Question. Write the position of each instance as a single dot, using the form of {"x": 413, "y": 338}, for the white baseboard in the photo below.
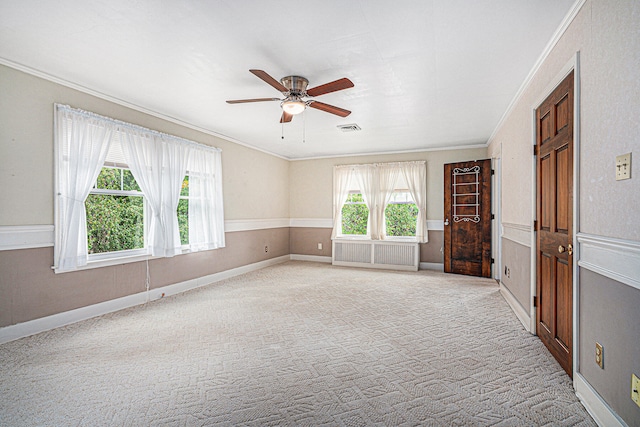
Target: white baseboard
{"x": 313, "y": 258}
{"x": 21, "y": 330}
{"x": 602, "y": 414}
{"x": 517, "y": 308}
{"x": 431, "y": 266}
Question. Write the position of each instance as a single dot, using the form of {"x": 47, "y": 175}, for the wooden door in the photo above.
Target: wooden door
{"x": 554, "y": 224}
{"x": 467, "y": 213}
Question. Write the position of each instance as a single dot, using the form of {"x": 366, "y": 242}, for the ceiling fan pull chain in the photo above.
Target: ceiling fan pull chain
{"x": 282, "y": 137}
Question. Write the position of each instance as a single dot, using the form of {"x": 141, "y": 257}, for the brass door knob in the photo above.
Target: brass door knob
{"x": 568, "y": 249}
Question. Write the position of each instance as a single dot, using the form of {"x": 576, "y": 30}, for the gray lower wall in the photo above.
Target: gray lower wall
{"x": 31, "y": 290}
{"x": 517, "y": 259}
{"x": 610, "y": 315}
{"x": 304, "y": 241}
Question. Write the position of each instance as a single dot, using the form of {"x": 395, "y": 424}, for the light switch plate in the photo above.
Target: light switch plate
{"x": 623, "y": 166}
{"x": 599, "y": 355}
{"x": 635, "y": 389}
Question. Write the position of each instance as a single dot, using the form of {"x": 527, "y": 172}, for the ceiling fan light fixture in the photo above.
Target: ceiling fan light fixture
{"x": 293, "y": 106}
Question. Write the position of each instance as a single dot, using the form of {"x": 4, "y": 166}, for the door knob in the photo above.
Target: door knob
{"x": 446, "y": 221}
{"x": 568, "y": 249}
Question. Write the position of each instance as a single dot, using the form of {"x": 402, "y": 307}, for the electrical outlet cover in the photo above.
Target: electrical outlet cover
{"x": 623, "y": 167}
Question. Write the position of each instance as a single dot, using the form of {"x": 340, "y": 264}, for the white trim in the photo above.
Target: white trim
{"x": 496, "y": 207}
{"x": 616, "y": 259}
{"x": 21, "y": 330}
{"x": 234, "y": 225}
{"x": 40, "y": 236}
{"x": 312, "y": 258}
{"x": 564, "y": 25}
{"x": 437, "y": 266}
{"x": 435, "y": 225}
{"x": 517, "y": 233}
{"x": 311, "y": 222}
{"x": 595, "y": 405}
{"x": 517, "y": 308}
{"x": 25, "y": 236}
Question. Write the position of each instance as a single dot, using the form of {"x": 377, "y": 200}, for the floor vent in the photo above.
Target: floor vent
{"x": 376, "y": 254}
{"x": 349, "y": 128}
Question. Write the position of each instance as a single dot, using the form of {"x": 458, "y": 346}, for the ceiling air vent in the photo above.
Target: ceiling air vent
{"x": 349, "y": 128}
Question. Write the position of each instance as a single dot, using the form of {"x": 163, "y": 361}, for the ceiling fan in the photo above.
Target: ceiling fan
{"x": 294, "y": 89}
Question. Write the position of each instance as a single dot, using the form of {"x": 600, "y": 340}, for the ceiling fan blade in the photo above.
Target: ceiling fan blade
{"x": 241, "y": 101}
{"x": 286, "y": 118}
{"x": 329, "y": 108}
{"x": 270, "y": 80}
{"x": 334, "y": 86}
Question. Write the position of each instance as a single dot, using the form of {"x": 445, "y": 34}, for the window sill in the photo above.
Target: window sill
{"x": 407, "y": 239}
{"x": 120, "y": 259}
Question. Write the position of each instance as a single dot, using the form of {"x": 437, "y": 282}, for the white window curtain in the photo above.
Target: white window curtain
{"x": 159, "y": 166}
{"x": 415, "y": 174}
{"x": 341, "y": 185}
{"x": 206, "y": 213}
{"x": 387, "y": 179}
{"x": 367, "y": 177}
{"x": 82, "y": 141}
{"x": 377, "y": 182}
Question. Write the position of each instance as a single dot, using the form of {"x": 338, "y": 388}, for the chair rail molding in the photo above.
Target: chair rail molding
{"x": 617, "y": 259}
{"x": 517, "y": 233}
{"x": 25, "y": 236}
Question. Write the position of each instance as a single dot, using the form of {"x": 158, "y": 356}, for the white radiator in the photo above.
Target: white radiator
{"x": 391, "y": 255}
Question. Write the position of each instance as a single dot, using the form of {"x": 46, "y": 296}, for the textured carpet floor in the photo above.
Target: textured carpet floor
{"x": 295, "y": 344}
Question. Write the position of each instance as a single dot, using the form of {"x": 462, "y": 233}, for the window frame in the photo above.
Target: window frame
{"x": 64, "y": 117}
{"x": 125, "y": 253}
{"x": 412, "y": 202}
{"x": 367, "y": 236}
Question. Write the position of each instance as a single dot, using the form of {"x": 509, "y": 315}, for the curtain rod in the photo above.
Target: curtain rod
{"x": 133, "y": 126}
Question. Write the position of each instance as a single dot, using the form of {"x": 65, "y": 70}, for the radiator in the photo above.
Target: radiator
{"x": 391, "y": 255}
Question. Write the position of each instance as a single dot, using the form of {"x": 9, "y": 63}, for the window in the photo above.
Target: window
{"x": 354, "y": 215}
{"x": 380, "y": 200}
{"x": 115, "y": 213}
{"x": 183, "y": 212}
{"x": 114, "y": 182}
{"x": 401, "y": 214}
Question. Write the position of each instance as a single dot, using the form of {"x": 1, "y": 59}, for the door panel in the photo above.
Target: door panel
{"x": 554, "y": 231}
{"x": 467, "y": 212}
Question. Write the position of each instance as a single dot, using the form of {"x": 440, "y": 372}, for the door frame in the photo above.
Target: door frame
{"x": 496, "y": 208}
{"x": 572, "y": 65}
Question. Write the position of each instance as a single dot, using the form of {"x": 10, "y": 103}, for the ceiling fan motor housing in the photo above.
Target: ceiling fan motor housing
{"x": 297, "y": 85}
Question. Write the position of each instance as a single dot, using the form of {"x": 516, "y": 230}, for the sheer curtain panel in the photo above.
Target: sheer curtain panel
{"x": 206, "y": 213}
{"x": 387, "y": 179}
{"x": 82, "y": 143}
{"x": 159, "y": 166}
{"x": 415, "y": 174}
{"x": 341, "y": 186}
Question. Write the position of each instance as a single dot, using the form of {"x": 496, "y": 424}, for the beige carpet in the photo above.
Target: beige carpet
{"x": 295, "y": 344}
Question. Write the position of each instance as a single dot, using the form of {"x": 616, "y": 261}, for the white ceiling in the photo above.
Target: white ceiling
{"x": 427, "y": 73}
